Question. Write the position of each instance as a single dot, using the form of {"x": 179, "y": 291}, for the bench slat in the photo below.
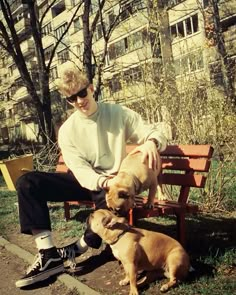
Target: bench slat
{"x": 202, "y": 165}
{"x": 61, "y": 168}
{"x": 179, "y": 158}
{"x": 184, "y": 179}
{"x": 188, "y": 151}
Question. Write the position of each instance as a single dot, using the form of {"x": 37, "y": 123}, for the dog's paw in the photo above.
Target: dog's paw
{"x": 124, "y": 282}
{"x": 148, "y": 206}
{"x": 164, "y": 288}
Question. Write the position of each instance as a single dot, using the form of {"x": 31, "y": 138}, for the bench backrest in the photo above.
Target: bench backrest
{"x": 182, "y": 165}
{"x": 61, "y": 166}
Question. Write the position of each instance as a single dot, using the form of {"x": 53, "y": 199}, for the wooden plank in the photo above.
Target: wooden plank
{"x": 184, "y": 164}
{"x": 189, "y": 150}
{"x": 184, "y": 179}
{"x": 61, "y": 168}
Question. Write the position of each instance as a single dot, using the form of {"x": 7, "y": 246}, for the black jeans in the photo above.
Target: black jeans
{"x": 35, "y": 189}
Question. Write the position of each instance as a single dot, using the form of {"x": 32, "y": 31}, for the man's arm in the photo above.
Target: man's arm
{"x": 151, "y": 139}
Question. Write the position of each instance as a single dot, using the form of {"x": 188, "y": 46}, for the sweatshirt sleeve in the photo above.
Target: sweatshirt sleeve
{"x": 81, "y": 168}
{"x": 138, "y": 132}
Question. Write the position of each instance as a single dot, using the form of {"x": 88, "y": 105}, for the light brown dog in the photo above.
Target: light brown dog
{"x": 133, "y": 178}
{"x": 140, "y": 250}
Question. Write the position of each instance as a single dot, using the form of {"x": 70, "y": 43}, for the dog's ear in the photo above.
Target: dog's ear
{"x": 106, "y": 189}
{"x": 123, "y": 195}
{"x": 108, "y": 221}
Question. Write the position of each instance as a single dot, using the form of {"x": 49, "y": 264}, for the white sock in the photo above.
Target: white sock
{"x": 44, "y": 240}
{"x": 82, "y": 246}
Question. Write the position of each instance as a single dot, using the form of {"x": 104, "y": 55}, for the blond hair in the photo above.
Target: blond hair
{"x": 71, "y": 79}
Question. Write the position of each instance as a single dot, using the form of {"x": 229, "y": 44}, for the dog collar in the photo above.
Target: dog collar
{"x": 120, "y": 235}
{"x": 137, "y": 184}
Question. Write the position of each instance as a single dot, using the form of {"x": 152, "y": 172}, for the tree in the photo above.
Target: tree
{"x": 214, "y": 34}
{"x": 39, "y": 92}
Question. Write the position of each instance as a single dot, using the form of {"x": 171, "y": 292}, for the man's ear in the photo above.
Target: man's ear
{"x": 123, "y": 195}
{"x": 91, "y": 87}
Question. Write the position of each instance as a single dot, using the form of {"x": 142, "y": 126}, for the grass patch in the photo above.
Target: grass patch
{"x": 211, "y": 244}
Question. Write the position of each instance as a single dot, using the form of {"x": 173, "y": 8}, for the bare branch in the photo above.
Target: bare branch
{"x": 62, "y": 36}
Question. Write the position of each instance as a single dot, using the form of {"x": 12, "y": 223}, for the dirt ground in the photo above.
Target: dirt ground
{"x": 98, "y": 269}
{"x": 11, "y": 266}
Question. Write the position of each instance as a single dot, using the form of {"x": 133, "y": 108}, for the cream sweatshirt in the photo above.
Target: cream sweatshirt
{"x": 93, "y": 147}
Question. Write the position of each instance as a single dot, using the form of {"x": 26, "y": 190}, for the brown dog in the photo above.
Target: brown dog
{"x": 140, "y": 250}
{"x": 133, "y": 178}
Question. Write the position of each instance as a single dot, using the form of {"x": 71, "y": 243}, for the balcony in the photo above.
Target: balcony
{"x": 230, "y": 40}
{"x": 230, "y": 34}
{"x": 27, "y": 47}
{"x": 227, "y": 8}
{"x": 22, "y": 26}
{"x": 17, "y": 5}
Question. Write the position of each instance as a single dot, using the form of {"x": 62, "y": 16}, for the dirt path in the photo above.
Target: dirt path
{"x": 12, "y": 267}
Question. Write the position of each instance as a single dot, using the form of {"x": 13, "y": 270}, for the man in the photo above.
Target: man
{"x": 92, "y": 142}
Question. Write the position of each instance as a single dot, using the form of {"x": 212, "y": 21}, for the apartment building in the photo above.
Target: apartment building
{"x": 193, "y": 27}
{"x": 145, "y": 41}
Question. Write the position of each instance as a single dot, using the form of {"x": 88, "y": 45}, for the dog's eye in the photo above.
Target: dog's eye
{"x": 123, "y": 195}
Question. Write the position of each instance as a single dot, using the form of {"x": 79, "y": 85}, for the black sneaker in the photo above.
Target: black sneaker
{"x": 70, "y": 252}
{"x": 46, "y": 264}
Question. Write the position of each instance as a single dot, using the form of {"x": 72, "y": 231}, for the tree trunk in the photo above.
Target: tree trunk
{"x": 225, "y": 65}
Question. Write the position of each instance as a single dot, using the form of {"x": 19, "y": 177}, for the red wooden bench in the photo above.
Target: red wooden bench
{"x": 183, "y": 166}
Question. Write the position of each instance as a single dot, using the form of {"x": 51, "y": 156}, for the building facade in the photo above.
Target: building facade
{"x": 135, "y": 44}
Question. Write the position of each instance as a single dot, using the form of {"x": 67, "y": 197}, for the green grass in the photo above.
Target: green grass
{"x": 211, "y": 244}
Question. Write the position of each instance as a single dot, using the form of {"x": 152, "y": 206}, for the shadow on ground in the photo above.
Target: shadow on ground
{"x": 207, "y": 236}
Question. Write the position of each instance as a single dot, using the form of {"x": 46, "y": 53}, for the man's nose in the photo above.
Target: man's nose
{"x": 79, "y": 99}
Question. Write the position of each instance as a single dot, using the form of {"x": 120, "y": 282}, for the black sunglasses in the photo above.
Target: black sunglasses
{"x": 82, "y": 94}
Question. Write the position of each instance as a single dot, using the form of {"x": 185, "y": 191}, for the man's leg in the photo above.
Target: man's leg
{"x": 91, "y": 239}
{"x": 34, "y": 190}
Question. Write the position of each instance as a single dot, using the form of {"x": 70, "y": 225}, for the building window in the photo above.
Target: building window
{"x": 111, "y": 18}
{"x": 63, "y": 55}
{"x": 189, "y": 63}
{"x": 58, "y": 8}
{"x": 74, "y": 2}
{"x": 115, "y": 84}
{"x": 172, "y": 3}
{"x": 136, "y": 40}
{"x": 133, "y": 75}
{"x": 2, "y": 114}
{"x": 94, "y": 6}
{"x": 53, "y": 73}
{"x": 185, "y": 28}
{"x": 12, "y": 68}
{"x": 216, "y": 73}
{"x": 60, "y": 30}
{"x": 206, "y": 3}
{"x": 77, "y": 24}
{"x": 98, "y": 32}
{"x": 46, "y": 30}
{"x": 129, "y": 43}
{"x": 48, "y": 52}
{"x": 131, "y": 8}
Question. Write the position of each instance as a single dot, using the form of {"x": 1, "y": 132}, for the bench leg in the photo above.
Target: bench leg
{"x": 181, "y": 228}
{"x": 66, "y": 211}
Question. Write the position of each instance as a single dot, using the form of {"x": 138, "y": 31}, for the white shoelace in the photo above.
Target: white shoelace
{"x": 69, "y": 254}
{"x": 37, "y": 262}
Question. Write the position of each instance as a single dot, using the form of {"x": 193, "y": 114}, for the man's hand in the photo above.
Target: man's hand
{"x": 149, "y": 152}
{"x": 109, "y": 181}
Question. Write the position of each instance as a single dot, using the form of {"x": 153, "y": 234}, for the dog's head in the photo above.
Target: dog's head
{"x": 119, "y": 199}
{"x": 103, "y": 219}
